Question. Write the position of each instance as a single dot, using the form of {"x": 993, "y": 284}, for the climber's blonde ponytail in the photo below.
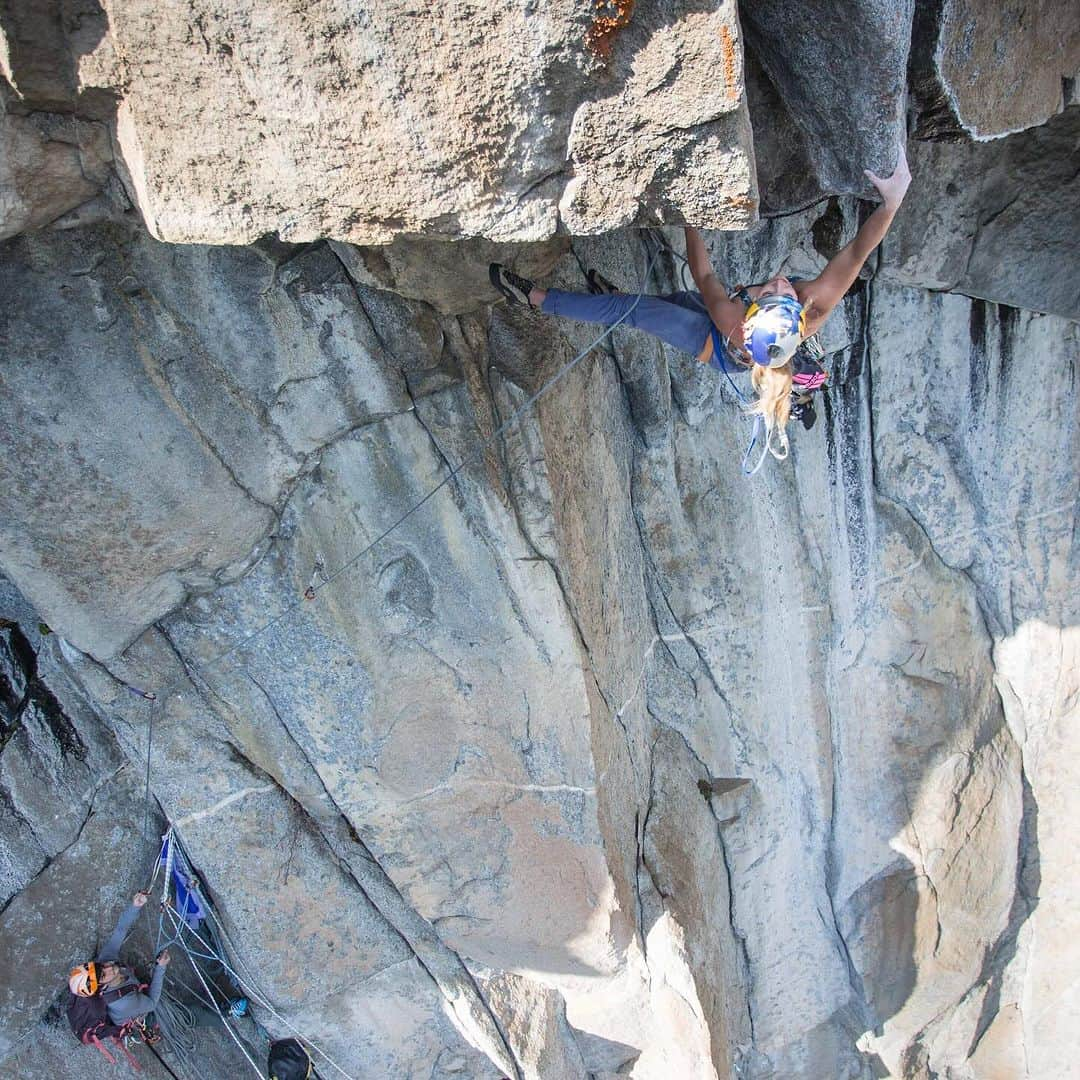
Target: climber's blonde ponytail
{"x": 773, "y": 402}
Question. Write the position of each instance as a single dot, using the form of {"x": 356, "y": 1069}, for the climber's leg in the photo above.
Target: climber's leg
{"x": 681, "y": 327}
{"x": 690, "y": 300}
{"x": 681, "y": 322}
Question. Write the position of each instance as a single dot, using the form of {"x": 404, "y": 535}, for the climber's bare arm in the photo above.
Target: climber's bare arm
{"x": 726, "y": 314}
{"x": 828, "y": 289}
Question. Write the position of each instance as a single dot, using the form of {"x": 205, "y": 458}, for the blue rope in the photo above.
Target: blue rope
{"x": 720, "y": 351}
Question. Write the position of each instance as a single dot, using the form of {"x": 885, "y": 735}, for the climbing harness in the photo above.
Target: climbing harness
{"x": 88, "y": 1017}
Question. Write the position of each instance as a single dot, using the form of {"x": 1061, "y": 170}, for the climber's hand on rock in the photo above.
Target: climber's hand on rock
{"x": 163, "y": 958}
{"x": 893, "y": 188}
{"x": 140, "y": 898}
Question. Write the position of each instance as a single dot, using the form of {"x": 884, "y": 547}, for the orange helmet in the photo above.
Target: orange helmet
{"x": 83, "y": 980}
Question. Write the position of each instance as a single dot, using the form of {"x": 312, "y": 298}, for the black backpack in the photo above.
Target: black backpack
{"x": 289, "y": 1061}
{"x": 89, "y": 1016}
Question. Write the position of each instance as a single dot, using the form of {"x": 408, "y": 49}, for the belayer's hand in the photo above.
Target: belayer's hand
{"x": 893, "y": 188}
{"x": 163, "y": 958}
{"x": 140, "y": 898}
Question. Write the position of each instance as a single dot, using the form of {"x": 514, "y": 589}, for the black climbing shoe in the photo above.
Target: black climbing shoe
{"x": 515, "y": 289}
{"x": 598, "y": 284}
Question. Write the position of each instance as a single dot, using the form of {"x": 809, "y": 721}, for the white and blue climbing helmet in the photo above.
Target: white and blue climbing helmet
{"x": 772, "y": 329}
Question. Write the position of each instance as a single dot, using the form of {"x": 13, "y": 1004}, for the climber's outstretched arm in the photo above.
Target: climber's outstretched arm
{"x": 828, "y": 289}
{"x": 110, "y": 951}
{"x": 726, "y": 314}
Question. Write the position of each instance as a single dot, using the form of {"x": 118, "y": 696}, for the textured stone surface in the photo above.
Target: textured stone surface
{"x": 1001, "y": 66}
{"x": 364, "y": 123}
{"x": 607, "y": 761}
{"x": 48, "y": 166}
{"x": 451, "y": 277}
{"x": 995, "y": 220}
{"x": 489, "y": 782}
{"x": 832, "y": 100}
{"x": 48, "y": 50}
{"x": 1015, "y": 544}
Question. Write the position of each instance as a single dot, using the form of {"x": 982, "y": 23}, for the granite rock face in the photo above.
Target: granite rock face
{"x": 363, "y": 123}
{"x": 829, "y": 91}
{"x": 496, "y": 786}
{"x": 51, "y": 165}
{"x": 1001, "y": 67}
{"x": 995, "y": 220}
{"x": 587, "y": 756}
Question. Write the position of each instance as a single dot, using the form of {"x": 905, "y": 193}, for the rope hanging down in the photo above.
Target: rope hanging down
{"x": 476, "y": 456}
{"x": 188, "y": 922}
{"x": 177, "y": 1016}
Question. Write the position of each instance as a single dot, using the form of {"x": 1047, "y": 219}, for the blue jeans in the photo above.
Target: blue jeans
{"x": 680, "y": 319}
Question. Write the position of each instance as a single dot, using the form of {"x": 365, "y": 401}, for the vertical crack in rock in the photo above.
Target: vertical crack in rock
{"x": 443, "y": 965}
{"x": 158, "y": 376}
{"x": 686, "y": 635}
{"x": 36, "y": 694}
{"x": 557, "y": 576}
{"x": 926, "y": 875}
{"x": 832, "y": 877}
{"x": 746, "y": 971}
{"x": 641, "y": 860}
{"x": 1026, "y": 899}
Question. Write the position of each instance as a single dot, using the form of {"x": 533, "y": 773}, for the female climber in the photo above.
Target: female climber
{"x": 759, "y": 327}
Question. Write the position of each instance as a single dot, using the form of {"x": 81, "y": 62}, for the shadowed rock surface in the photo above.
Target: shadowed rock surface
{"x": 606, "y": 761}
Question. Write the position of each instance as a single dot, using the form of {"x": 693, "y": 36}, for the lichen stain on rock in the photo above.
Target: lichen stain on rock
{"x": 732, "y": 82}
{"x": 611, "y": 17}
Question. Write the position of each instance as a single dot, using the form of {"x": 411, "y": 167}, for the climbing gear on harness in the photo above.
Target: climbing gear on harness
{"x": 808, "y": 376}
{"x": 598, "y": 284}
{"x": 288, "y": 1061}
{"x": 317, "y": 573}
{"x": 88, "y": 1017}
{"x": 773, "y": 327}
{"x": 516, "y": 289}
{"x": 83, "y": 980}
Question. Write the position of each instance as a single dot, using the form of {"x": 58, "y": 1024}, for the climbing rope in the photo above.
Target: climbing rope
{"x": 720, "y": 350}
{"x": 157, "y": 697}
{"x": 209, "y": 999}
{"x": 149, "y": 750}
{"x": 176, "y": 1015}
{"x": 209, "y": 945}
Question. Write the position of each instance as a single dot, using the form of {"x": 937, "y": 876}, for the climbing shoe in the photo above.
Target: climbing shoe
{"x": 515, "y": 289}
{"x": 598, "y": 284}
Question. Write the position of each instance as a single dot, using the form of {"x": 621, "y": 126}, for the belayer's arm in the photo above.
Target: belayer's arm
{"x": 138, "y": 1004}
{"x": 111, "y": 949}
{"x": 726, "y": 314}
{"x": 828, "y": 289}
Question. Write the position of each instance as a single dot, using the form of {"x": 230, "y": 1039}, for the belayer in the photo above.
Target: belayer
{"x": 765, "y": 327}
{"x": 107, "y": 1001}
